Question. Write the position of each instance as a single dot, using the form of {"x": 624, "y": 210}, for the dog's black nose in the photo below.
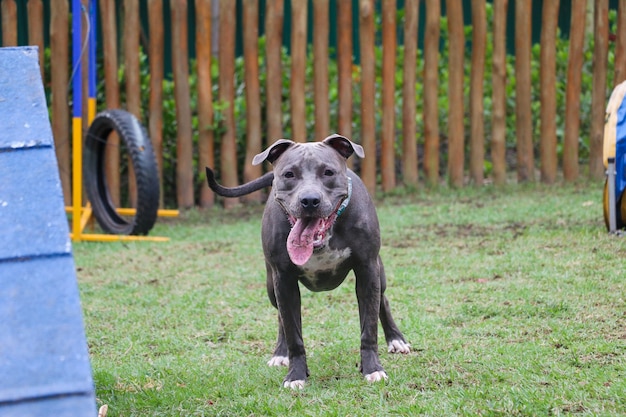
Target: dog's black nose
{"x": 310, "y": 201}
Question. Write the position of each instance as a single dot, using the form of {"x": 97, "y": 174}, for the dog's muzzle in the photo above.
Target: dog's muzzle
{"x": 308, "y": 232}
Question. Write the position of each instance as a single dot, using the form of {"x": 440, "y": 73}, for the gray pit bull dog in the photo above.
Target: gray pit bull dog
{"x": 319, "y": 224}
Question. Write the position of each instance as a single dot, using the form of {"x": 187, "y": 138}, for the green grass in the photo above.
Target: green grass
{"x": 513, "y": 301}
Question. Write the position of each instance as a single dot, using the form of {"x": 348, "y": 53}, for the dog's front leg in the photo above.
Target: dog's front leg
{"x": 289, "y": 307}
{"x": 368, "y": 292}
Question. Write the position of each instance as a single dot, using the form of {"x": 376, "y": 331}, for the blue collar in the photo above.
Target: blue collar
{"x": 346, "y": 200}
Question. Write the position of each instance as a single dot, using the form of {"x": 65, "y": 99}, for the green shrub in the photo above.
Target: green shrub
{"x": 239, "y": 104}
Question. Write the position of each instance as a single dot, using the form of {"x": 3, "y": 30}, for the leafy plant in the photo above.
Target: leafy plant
{"x": 240, "y": 108}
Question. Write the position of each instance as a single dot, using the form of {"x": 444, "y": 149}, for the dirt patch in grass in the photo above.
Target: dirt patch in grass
{"x": 415, "y": 236}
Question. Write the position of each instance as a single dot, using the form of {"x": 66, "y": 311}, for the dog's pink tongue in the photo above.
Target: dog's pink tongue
{"x": 300, "y": 240}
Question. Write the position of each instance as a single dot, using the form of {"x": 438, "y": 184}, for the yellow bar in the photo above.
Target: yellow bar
{"x": 85, "y": 217}
{"x": 91, "y": 110}
{"x": 160, "y": 213}
{"x": 89, "y": 237}
{"x": 168, "y": 213}
{"x": 77, "y": 177}
{"x": 131, "y": 211}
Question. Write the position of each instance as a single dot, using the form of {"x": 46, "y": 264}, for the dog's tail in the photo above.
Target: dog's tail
{"x": 247, "y": 188}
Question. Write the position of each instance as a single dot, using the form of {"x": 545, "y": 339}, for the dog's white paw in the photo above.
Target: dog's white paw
{"x": 398, "y": 346}
{"x": 294, "y": 385}
{"x": 376, "y": 376}
{"x": 278, "y": 361}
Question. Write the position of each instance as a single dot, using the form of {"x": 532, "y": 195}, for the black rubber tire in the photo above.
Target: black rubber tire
{"x": 139, "y": 148}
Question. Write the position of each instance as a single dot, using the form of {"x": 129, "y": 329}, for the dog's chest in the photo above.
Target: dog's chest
{"x": 324, "y": 261}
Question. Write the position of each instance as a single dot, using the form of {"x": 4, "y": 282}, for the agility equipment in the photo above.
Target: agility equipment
{"x": 134, "y": 136}
{"x": 44, "y": 361}
{"x": 614, "y": 157}
{"x": 88, "y": 161}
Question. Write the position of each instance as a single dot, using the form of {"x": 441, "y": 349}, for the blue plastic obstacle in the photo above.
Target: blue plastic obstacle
{"x": 44, "y": 362}
{"x": 615, "y": 160}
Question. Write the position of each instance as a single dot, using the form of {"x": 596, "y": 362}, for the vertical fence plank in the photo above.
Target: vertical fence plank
{"x": 131, "y": 57}
{"x": 59, "y": 78}
{"x": 228, "y": 155}
{"x": 368, "y": 98}
{"x": 206, "y": 150}
{"x": 180, "y": 68}
{"x": 598, "y": 89}
{"x": 548, "y": 156}
{"x": 456, "y": 111}
{"x": 387, "y": 160}
{"x": 112, "y": 95}
{"x": 35, "y": 29}
{"x": 477, "y": 125}
{"x": 523, "y": 119}
{"x": 572, "y": 92}
{"x": 298, "y": 69}
{"x": 9, "y": 23}
{"x": 320, "y": 68}
{"x": 620, "y": 44}
{"x": 155, "y": 105}
{"x": 133, "y": 79}
{"x": 253, "y": 93}
{"x": 409, "y": 142}
{"x": 431, "y": 86}
{"x": 274, "y": 87}
{"x": 498, "y": 124}
{"x": 344, "y": 67}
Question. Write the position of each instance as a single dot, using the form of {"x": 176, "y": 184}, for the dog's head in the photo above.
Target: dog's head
{"x": 312, "y": 186}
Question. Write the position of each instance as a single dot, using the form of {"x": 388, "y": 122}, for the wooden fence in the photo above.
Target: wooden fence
{"x": 394, "y": 154}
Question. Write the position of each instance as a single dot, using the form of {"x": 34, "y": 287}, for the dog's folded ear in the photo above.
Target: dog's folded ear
{"x": 272, "y": 153}
{"x": 344, "y": 146}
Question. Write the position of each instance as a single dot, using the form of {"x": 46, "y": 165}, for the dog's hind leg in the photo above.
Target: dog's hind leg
{"x": 280, "y": 357}
{"x": 395, "y": 340}
{"x": 396, "y": 343}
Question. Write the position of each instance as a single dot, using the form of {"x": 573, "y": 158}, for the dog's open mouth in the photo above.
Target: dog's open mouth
{"x": 310, "y": 233}
{"x": 307, "y": 234}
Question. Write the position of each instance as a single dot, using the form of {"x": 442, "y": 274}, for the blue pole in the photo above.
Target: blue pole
{"x": 77, "y": 121}
{"x": 77, "y": 42}
{"x": 92, "y": 62}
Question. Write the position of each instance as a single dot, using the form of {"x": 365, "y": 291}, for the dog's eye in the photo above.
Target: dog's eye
{"x": 329, "y": 173}
{"x": 289, "y": 174}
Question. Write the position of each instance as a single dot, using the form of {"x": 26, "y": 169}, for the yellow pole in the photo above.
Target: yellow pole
{"x": 91, "y": 110}
{"x": 77, "y": 177}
